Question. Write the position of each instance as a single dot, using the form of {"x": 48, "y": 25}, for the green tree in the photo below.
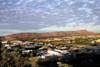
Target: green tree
{"x": 8, "y": 59}
{"x": 33, "y": 61}
{"x": 60, "y": 64}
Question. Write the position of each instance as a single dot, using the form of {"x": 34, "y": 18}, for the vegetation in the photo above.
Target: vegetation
{"x": 39, "y": 38}
{"x": 84, "y": 42}
{"x": 85, "y": 61}
{"x": 60, "y": 64}
{"x": 14, "y": 59}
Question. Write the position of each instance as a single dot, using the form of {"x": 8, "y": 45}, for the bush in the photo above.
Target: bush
{"x": 93, "y": 44}
{"x": 8, "y": 59}
{"x": 60, "y": 64}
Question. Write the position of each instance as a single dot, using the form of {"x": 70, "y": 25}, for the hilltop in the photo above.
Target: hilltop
{"x": 58, "y": 33}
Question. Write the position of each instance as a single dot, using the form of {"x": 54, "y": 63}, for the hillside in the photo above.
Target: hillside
{"x": 59, "y": 33}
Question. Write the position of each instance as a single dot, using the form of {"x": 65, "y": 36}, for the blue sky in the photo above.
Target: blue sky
{"x": 18, "y": 16}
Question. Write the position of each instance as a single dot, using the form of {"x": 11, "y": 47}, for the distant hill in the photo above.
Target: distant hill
{"x": 58, "y": 33}
{"x": 2, "y": 36}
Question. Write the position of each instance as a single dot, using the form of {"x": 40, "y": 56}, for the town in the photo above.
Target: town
{"x": 66, "y": 47}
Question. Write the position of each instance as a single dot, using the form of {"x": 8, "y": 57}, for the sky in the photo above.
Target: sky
{"x": 18, "y": 16}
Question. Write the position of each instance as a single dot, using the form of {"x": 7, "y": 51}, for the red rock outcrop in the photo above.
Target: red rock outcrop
{"x": 59, "y": 33}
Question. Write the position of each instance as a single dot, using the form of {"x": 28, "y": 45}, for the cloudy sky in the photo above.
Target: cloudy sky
{"x": 48, "y": 15}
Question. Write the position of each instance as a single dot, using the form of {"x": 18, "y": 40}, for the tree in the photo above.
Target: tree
{"x": 13, "y": 59}
{"x": 71, "y": 41}
{"x": 33, "y": 61}
{"x": 60, "y": 64}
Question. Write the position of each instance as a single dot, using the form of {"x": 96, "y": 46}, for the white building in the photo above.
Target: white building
{"x": 6, "y": 45}
{"x": 45, "y": 56}
{"x": 4, "y": 42}
{"x": 54, "y": 52}
{"x": 16, "y": 42}
{"x": 27, "y": 51}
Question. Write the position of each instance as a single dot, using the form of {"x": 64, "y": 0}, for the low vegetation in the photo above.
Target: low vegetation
{"x": 16, "y": 58}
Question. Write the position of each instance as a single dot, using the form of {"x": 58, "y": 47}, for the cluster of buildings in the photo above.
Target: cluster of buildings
{"x": 48, "y": 50}
{"x": 73, "y": 51}
{"x": 71, "y": 39}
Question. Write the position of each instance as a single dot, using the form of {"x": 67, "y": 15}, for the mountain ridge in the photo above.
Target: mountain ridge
{"x": 45, "y": 34}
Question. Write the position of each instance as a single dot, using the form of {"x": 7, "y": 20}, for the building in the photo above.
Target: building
{"x": 4, "y": 42}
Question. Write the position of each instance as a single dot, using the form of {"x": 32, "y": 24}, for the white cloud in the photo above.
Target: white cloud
{"x": 60, "y": 13}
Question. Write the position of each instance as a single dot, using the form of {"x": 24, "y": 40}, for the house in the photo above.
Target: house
{"x": 30, "y": 45}
{"x": 96, "y": 41}
{"x": 81, "y": 49}
{"x": 64, "y": 48}
{"x": 62, "y": 51}
{"x": 93, "y": 42}
{"x": 41, "y": 43}
{"x": 57, "y": 39}
{"x": 49, "y": 45}
{"x": 26, "y": 51}
{"x": 47, "y": 40}
{"x": 27, "y": 42}
{"x": 73, "y": 48}
{"x": 68, "y": 41}
{"x": 4, "y": 42}
{"x": 52, "y": 52}
{"x": 6, "y": 45}
{"x": 45, "y": 56}
{"x": 40, "y": 53}
{"x": 16, "y": 42}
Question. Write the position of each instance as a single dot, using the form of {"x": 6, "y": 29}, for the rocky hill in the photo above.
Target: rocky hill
{"x": 59, "y": 33}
